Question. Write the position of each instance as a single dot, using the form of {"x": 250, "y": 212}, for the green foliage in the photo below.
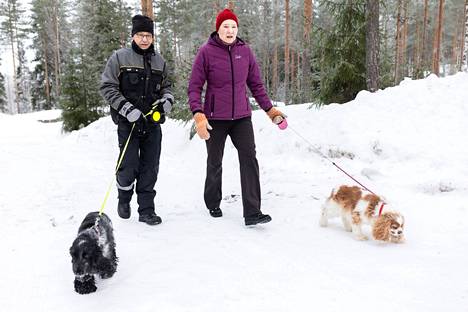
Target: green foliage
{"x": 78, "y": 107}
{"x": 343, "y": 69}
{"x": 182, "y": 31}
{"x": 101, "y": 25}
{"x": 51, "y": 45}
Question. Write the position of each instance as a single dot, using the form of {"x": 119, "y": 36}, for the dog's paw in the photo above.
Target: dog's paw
{"x": 398, "y": 240}
{"x": 85, "y": 286}
{"x": 323, "y": 222}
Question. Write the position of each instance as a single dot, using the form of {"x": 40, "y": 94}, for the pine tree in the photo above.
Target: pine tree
{"x": 372, "y": 45}
{"x": 286, "y": 52}
{"x": 306, "y": 55}
{"x": 437, "y": 39}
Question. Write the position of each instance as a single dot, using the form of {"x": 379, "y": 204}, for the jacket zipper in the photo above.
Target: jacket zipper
{"x": 232, "y": 74}
{"x": 147, "y": 68}
{"x": 212, "y": 105}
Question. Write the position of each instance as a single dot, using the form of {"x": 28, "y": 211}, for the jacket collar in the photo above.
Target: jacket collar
{"x": 138, "y": 50}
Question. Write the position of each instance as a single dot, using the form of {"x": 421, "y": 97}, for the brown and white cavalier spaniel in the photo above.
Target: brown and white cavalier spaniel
{"x": 356, "y": 209}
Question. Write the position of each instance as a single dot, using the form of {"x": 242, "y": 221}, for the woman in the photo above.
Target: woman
{"x": 228, "y": 66}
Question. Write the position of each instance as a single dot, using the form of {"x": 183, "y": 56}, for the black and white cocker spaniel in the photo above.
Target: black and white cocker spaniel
{"x": 93, "y": 252}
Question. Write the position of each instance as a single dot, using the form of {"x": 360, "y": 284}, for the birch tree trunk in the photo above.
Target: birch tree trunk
{"x": 437, "y": 39}
{"x": 372, "y": 45}
{"x": 12, "y": 31}
{"x": 46, "y": 73}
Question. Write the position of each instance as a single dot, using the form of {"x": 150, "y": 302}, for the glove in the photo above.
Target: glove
{"x": 164, "y": 104}
{"x": 130, "y": 112}
{"x": 276, "y": 115}
{"x": 202, "y": 126}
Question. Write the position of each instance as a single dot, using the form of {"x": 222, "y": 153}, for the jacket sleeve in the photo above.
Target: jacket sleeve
{"x": 166, "y": 84}
{"x": 197, "y": 81}
{"x": 110, "y": 83}
{"x": 255, "y": 84}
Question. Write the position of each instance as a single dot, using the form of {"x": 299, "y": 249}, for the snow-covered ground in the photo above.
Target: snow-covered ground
{"x": 408, "y": 143}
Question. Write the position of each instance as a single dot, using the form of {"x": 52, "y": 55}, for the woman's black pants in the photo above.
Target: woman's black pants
{"x": 242, "y": 136}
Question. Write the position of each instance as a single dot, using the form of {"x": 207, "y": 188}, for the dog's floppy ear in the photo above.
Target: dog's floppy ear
{"x": 381, "y": 229}
{"x": 94, "y": 252}
{"x": 74, "y": 250}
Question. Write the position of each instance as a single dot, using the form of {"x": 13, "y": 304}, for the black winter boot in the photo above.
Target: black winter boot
{"x": 256, "y": 219}
{"x": 123, "y": 210}
{"x": 150, "y": 218}
{"x": 216, "y": 212}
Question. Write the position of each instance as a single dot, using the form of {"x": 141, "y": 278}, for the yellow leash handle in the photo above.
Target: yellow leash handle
{"x": 116, "y": 169}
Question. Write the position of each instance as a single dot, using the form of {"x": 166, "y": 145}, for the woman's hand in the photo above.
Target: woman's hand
{"x": 202, "y": 126}
{"x": 276, "y": 115}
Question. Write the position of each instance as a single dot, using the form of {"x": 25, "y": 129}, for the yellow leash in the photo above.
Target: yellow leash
{"x": 156, "y": 117}
{"x": 116, "y": 169}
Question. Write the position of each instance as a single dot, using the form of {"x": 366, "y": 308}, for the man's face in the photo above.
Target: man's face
{"x": 228, "y": 31}
{"x": 143, "y": 39}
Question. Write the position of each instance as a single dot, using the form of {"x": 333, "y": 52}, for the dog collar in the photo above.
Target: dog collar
{"x": 381, "y": 208}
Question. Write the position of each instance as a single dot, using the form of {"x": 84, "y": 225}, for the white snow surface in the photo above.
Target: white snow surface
{"x": 407, "y": 143}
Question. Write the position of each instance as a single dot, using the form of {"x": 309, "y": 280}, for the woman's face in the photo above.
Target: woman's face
{"x": 228, "y": 31}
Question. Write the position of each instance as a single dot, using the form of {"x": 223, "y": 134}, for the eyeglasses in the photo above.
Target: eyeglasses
{"x": 144, "y": 36}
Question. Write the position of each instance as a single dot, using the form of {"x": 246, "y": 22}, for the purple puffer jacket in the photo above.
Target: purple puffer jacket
{"x": 228, "y": 71}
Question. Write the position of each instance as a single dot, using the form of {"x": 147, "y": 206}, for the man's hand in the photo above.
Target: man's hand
{"x": 130, "y": 112}
{"x": 202, "y": 126}
{"x": 165, "y": 103}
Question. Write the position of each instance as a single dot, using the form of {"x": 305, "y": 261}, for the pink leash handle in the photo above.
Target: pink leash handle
{"x": 281, "y": 122}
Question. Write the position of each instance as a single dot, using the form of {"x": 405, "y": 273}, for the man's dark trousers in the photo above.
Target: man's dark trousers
{"x": 140, "y": 162}
{"x": 242, "y": 136}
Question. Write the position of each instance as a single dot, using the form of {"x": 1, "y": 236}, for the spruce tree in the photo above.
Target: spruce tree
{"x": 343, "y": 70}
{"x": 97, "y": 36}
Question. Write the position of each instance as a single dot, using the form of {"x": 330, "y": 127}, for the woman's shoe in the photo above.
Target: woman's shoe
{"x": 256, "y": 219}
{"x": 216, "y": 212}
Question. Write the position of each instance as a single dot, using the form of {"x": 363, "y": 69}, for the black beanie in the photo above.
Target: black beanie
{"x": 142, "y": 23}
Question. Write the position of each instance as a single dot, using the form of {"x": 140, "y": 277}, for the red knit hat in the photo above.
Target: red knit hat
{"x": 225, "y": 14}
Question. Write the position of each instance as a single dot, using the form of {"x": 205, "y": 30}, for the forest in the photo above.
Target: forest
{"x": 316, "y": 52}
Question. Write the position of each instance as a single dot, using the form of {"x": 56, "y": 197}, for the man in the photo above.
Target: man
{"x": 135, "y": 82}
